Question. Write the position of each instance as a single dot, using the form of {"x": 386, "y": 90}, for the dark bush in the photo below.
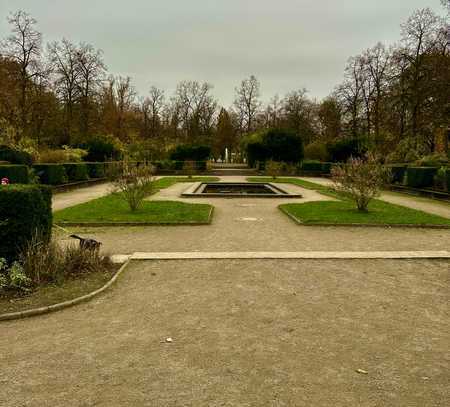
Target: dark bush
{"x": 312, "y": 167}
{"x": 14, "y": 156}
{"x": 420, "y": 177}
{"x": 96, "y": 170}
{"x": 17, "y": 174}
{"x": 51, "y": 174}
{"x": 326, "y": 168}
{"x": 256, "y": 152}
{"x": 100, "y": 150}
{"x": 25, "y": 210}
{"x": 77, "y": 171}
{"x": 398, "y": 172}
{"x": 342, "y": 150}
{"x": 186, "y": 152}
{"x": 283, "y": 146}
{"x": 447, "y": 179}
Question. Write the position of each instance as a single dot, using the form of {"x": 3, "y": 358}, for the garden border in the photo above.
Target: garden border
{"x": 66, "y": 304}
{"x": 370, "y": 225}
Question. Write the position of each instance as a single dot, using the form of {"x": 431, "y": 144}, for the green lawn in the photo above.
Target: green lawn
{"x": 344, "y": 211}
{"x": 113, "y": 209}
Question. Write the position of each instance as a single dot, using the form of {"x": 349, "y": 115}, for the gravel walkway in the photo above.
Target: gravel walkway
{"x": 245, "y": 333}
{"x": 246, "y": 224}
{"x": 71, "y": 198}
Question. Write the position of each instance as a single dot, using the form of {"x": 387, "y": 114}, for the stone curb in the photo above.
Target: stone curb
{"x": 388, "y": 255}
{"x": 66, "y": 304}
{"x": 365, "y": 225}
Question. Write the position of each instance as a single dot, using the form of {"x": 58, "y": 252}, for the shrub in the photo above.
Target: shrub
{"x": 433, "y": 160}
{"x": 15, "y": 156}
{"x": 25, "y": 210}
{"x": 14, "y": 277}
{"x": 134, "y": 183}
{"x": 276, "y": 145}
{"x": 96, "y": 170}
{"x": 102, "y": 149}
{"x": 189, "y": 168}
{"x": 51, "y": 174}
{"x": 273, "y": 168}
{"x": 312, "y": 166}
{"x": 361, "y": 179}
{"x": 398, "y": 172}
{"x": 77, "y": 171}
{"x": 190, "y": 153}
{"x": 17, "y": 174}
{"x": 342, "y": 150}
{"x": 326, "y": 168}
{"x": 283, "y": 146}
{"x": 420, "y": 177}
{"x": 447, "y": 177}
{"x": 316, "y": 151}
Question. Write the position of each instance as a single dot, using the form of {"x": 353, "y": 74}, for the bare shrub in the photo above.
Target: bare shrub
{"x": 78, "y": 260}
{"x": 361, "y": 178}
{"x": 42, "y": 261}
{"x": 134, "y": 183}
{"x": 273, "y": 169}
{"x": 189, "y": 168}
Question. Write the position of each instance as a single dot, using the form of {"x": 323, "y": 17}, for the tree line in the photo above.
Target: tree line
{"x": 394, "y": 98}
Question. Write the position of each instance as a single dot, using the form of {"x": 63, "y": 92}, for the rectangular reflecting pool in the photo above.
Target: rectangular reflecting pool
{"x": 237, "y": 190}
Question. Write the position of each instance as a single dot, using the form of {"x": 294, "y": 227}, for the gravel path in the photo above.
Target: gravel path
{"x": 245, "y": 333}
{"x": 71, "y": 198}
{"x": 248, "y": 224}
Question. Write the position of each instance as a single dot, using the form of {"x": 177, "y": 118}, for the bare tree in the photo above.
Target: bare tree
{"x": 125, "y": 96}
{"x": 64, "y": 60}
{"x": 247, "y": 103}
{"x": 24, "y": 47}
{"x": 196, "y": 108}
{"x": 91, "y": 70}
{"x": 156, "y": 104}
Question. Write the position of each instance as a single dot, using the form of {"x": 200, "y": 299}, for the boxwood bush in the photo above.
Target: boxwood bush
{"x": 96, "y": 170}
{"x": 51, "y": 174}
{"x": 77, "y": 171}
{"x": 17, "y": 174}
{"x": 420, "y": 177}
{"x": 447, "y": 179}
{"x": 24, "y": 210}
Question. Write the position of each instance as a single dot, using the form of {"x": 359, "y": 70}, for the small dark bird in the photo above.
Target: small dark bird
{"x": 87, "y": 244}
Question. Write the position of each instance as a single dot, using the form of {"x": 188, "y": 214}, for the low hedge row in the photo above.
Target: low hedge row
{"x": 316, "y": 167}
{"x": 420, "y": 177}
{"x": 24, "y": 211}
{"x": 51, "y": 174}
{"x": 170, "y": 165}
{"x": 17, "y": 174}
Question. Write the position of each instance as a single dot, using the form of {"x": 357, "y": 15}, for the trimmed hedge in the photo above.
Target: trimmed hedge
{"x": 77, "y": 171}
{"x": 447, "y": 179}
{"x": 326, "y": 168}
{"x": 25, "y": 209}
{"x": 420, "y": 177}
{"x": 312, "y": 166}
{"x": 398, "y": 172}
{"x": 17, "y": 174}
{"x": 14, "y": 156}
{"x": 51, "y": 174}
{"x": 96, "y": 170}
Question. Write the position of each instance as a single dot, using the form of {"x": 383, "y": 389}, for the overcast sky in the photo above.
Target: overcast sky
{"x": 286, "y": 44}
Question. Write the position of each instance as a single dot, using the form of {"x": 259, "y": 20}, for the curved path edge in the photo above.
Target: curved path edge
{"x": 62, "y": 305}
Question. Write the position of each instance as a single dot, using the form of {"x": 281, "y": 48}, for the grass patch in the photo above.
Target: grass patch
{"x": 344, "y": 211}
{"x": 50, "y": 294}
{"x": 113, "y": 209}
